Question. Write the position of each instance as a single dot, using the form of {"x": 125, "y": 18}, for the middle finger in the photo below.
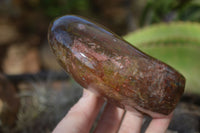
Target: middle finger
{"x": 110, "y": 119}
{"x": 131, "y": 123}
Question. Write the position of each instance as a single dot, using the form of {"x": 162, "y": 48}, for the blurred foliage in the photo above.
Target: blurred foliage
{"x": 54, "y": 8}
{"x": 177, "y": 44}
{"x": 49, "y": 8}
{"x": 170, "y": 10}
{"x": 190, "y": 12}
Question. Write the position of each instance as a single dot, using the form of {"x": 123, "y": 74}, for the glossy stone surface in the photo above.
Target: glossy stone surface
{"x": 104, "y": 63}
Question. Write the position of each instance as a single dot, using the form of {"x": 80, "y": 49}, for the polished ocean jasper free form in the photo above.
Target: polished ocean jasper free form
{"x": 104, "y": 63}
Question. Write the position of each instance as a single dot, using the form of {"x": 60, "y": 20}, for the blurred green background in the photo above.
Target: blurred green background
{"x": 166, "y": 29}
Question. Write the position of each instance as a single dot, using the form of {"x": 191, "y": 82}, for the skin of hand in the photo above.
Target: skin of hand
{"x": 113, "y": 120}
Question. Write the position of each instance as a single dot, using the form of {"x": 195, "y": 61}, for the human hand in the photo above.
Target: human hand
{"x": 113, "y": 120}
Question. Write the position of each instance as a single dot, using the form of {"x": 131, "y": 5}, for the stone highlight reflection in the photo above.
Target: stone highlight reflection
{"x": 104, "y": 63}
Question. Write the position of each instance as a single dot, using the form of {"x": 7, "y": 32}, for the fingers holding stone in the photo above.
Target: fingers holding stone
{"x": 82, "y": 115}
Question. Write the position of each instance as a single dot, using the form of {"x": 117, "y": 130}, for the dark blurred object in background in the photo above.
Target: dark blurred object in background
{"x": 9, "y": 103}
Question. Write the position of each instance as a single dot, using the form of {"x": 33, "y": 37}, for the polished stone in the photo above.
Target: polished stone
{"x": 104, "y": 63}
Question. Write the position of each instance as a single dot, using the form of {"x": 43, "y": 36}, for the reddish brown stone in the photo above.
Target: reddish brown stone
{"x": 103, "y": 62}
